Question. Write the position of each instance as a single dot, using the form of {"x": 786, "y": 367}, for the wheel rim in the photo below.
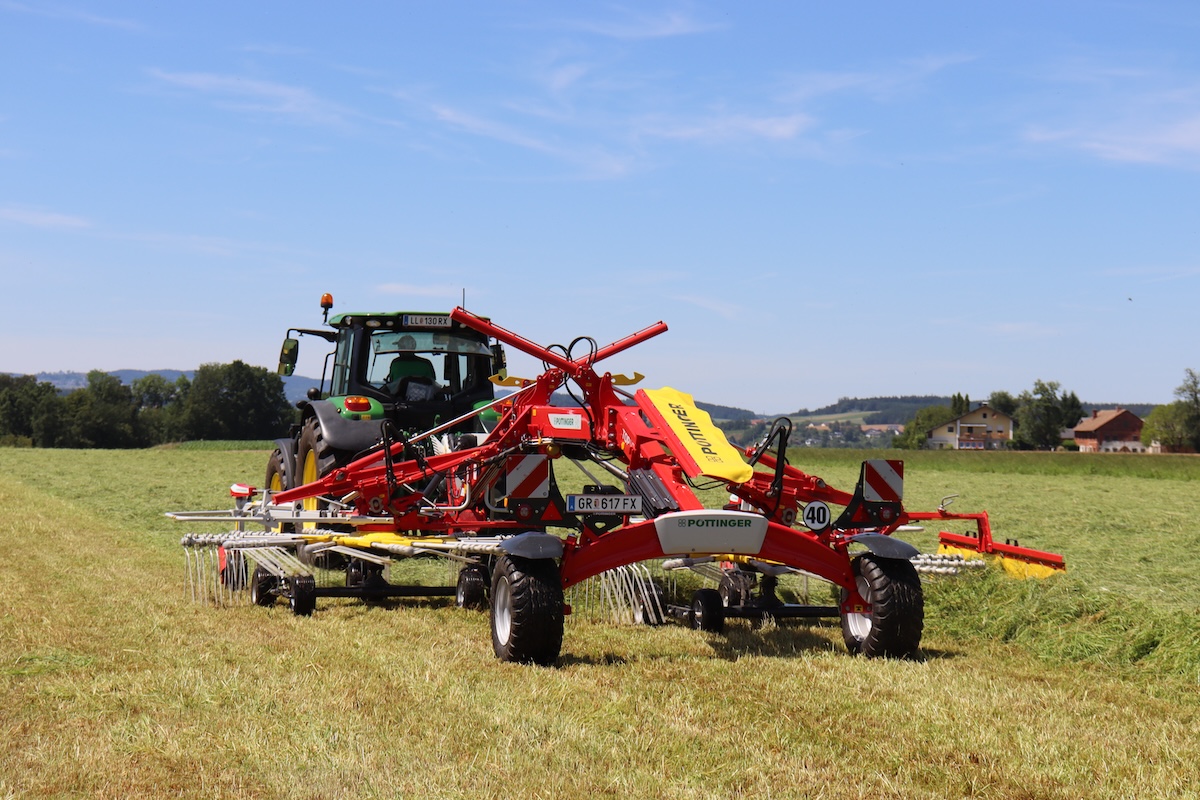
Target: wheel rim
{"x": 502, "y": 611}
{"x": 860, "y": 624}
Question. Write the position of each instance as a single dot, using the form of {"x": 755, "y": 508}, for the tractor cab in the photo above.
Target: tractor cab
{"x": 413, "y": 370}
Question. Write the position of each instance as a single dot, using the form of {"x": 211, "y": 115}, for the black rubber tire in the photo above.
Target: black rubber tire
{"x": 650, "y": 608}
{"x": 472, "y": 589}
{"x": 736, "y": 588}
{"x": 263, "y": 587}
{"x": 276, "y": 481}
{"x": 527, "y": 610}
{"x": 708, "y": 611}
{"x": 303, "y": 598}
{"x": 893, "y": 627}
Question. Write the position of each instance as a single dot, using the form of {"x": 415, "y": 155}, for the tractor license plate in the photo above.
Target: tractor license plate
{"x": 604, "y": 504}
{"x": 426, "y": 321}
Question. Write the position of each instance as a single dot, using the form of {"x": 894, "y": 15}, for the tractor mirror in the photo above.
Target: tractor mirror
{"x": 499, "y": 363}
{"x": 288, "y": 356}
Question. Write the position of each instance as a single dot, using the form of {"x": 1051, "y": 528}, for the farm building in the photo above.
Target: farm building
{"x": 1116, "y": 430}
{"x": 984, "y": 428}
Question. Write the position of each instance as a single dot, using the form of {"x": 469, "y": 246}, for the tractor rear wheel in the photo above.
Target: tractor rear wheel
{"x": 276, "y": 481}
{"x": 472, "y": 587}
{"x": 892, "y": 628}
{"x": 308, "y": 455}
{"x": 708, "y": 611}
{"x": 527, "y": 610}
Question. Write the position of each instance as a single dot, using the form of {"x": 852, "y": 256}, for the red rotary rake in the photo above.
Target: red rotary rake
{"x": 493, "y": 504}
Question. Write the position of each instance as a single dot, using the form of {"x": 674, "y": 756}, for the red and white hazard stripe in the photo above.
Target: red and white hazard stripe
{"x": 527, "y": 476}
{"x": 883, "y": 481}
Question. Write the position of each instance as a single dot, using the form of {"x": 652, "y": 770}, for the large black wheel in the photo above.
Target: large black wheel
{"x": 893, "y": 625}
{"x": 263, "y": 587}
{"x": 472, "y": 591}
{"x": 527, "y": 610}
{"x": 308, "y": 459}
{"x": 708, "y": 611}
{"x": 276, "y": 481}
{"x": 303, "y": 599}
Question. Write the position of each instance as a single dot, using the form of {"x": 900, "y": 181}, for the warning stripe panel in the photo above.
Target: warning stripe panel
{"x": 527, "y": 476}
{"x": 883, "y": 481}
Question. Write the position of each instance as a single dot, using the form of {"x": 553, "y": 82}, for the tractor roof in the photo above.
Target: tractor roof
{"x": 407, "y": 320}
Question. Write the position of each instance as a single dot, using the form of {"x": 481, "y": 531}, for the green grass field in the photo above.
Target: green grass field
{"x": 115, "y": 685}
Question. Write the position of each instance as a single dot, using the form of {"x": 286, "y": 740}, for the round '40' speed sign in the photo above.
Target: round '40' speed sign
{"x": 816, "y": 516}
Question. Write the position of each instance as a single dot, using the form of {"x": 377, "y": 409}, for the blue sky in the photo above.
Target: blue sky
{"x": 819, "y": 199}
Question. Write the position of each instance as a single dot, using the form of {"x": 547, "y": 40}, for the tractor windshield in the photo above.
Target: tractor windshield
{"x": 425, "y": 365}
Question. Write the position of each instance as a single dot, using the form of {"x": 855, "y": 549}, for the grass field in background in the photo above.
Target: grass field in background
{"x": 113, "y": 684}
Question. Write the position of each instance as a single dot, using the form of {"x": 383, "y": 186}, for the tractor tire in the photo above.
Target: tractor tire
{"x": 893, "y": 626}
{"x": 708, "y": 611}
{"x": 527, "y": 610}
{"x": 303, "y": 597}
{"x": 276, "y": 481}
{"x": 308, "y": 460}
{"x": 472, "y": 590}
{"x": 263, "y": 587}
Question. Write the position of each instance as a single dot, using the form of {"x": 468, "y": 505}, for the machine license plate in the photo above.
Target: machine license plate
{"x": 604, "y": 504}
{"x": 426, "y": 320}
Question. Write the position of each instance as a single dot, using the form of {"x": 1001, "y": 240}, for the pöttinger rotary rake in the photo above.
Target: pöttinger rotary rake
{"x": 492, "y": 505}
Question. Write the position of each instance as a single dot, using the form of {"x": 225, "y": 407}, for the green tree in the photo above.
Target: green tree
{"x": 917, "y": 429}
{"x": 1003, "y": 402}
{"x": 29, "y": 411}
{"x": 102, "y": 414}
{"x": 235, "y": 401}
{"x": 1188, "y": 393}
{"x": 1168, "y": 425}
{"x": 1043, "y": 413}
{"x": 159, "y": 407}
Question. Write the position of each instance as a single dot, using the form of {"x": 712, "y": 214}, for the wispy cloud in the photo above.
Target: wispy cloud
{"x": 257, "y": 96}
{"x": 69, "y": 14}
{"x": 43, "y": 219}
{"x": 736, "y": 126}
{"x": 881, "y": 84}
{"x": 725, "y": 310}
{"x": 643, "y": 26}
{"x": 1133, "y": 114}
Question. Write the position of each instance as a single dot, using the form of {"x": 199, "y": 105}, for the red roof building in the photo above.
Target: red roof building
{"x": 1116, "y": 430}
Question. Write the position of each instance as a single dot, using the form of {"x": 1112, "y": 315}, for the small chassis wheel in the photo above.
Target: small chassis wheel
{"x": 650, "y": 604}
{"x": 303, "y": 598}
{"x": 527, "y": 610}
{"x": 707, "y": 612}
{"x": 892, "y": 628}
{"x": 737, "y": 588}
{"x": 472, "y": 590}
{"x": 264, "y": 587}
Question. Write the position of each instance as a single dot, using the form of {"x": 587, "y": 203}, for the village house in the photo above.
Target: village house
{"x": 1116, "y": 430}
{"x": 984, "y": 428}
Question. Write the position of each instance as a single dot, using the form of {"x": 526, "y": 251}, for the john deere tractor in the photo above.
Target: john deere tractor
{"x": 388, "y": 377}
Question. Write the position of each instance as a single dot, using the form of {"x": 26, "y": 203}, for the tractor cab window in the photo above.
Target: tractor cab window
{"x": 426, "y": 365}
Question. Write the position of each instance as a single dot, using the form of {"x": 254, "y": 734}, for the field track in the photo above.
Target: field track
{"x": 114, "y": 685}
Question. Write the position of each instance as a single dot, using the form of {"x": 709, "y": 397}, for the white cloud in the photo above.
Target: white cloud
{"x": 737, "y": 126}
{"x": 644, "y": 26}
{"x": 248, "y": 94}
{"x": 54, "y": 11}
{"x": 43, "y": 219}
{"x": 724, "y": 310}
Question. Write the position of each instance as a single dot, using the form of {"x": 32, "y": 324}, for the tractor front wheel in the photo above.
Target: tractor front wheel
{"x": 893, "y": 625}
{"x": 527, "y": 610}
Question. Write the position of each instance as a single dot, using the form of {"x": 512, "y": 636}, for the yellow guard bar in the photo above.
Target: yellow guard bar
{"x": 705, "y": 446}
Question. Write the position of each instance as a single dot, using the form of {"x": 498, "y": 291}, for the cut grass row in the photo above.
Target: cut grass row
{"x": 112, "y": 684}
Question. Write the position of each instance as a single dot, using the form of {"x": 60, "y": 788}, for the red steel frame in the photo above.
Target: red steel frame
{"x": 637, "y": 436}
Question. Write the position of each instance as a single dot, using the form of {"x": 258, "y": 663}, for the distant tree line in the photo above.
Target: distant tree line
{"x": 221, "y": 401}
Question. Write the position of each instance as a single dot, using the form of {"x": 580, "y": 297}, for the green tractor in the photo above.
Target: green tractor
{"x": 389, "y": 377}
